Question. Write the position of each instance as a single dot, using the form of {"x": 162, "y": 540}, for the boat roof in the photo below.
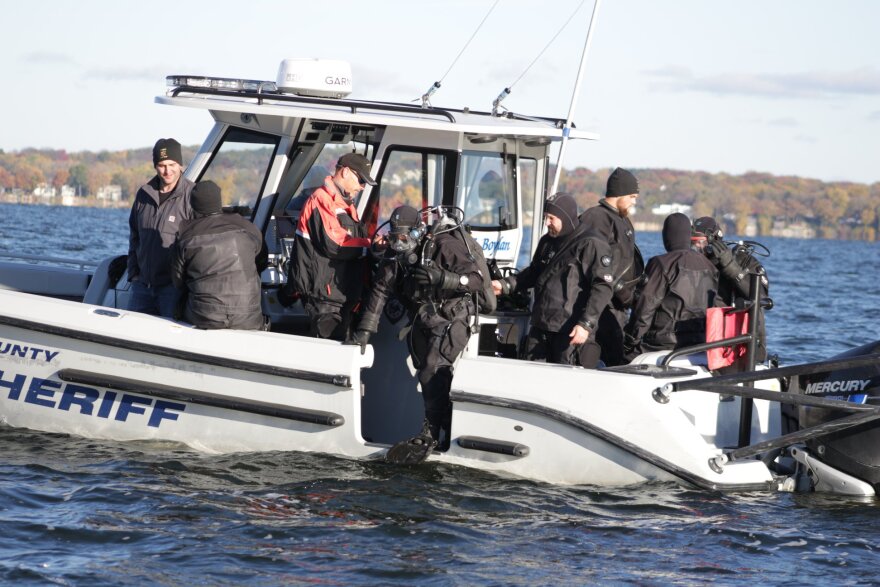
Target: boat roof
{"x": 274, "y": 103}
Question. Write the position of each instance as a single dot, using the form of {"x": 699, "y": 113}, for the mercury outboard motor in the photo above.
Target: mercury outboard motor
{"x": 854, "y": 450}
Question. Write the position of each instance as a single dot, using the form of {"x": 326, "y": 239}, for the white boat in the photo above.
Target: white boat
{"x": 73, "y": 361}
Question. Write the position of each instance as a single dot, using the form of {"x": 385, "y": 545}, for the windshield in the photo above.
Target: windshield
{"x": 486, "y": 186}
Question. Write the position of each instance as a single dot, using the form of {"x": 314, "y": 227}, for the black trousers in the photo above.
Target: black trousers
{"x": 328, "y": 320}
{"x": 609, "y": 335}
{"x": 435, "y": 344}
{"x": 555, "y": 347}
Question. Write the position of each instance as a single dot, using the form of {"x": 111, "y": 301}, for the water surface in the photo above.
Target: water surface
{"x": 82, "y": 512}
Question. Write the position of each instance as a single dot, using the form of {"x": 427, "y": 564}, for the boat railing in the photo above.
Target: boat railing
{"x": 352, "y": 105}
{"x": 81, "y": 264}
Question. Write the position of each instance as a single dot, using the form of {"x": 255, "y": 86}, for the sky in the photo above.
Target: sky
{"x": 788, "y": 87}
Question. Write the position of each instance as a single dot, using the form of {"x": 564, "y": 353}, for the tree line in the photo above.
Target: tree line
{"x": 843, "y": 210}
{"x": 837, "y": 210}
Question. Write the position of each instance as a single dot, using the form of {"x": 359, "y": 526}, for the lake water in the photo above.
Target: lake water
{"x": 80, "y": 512}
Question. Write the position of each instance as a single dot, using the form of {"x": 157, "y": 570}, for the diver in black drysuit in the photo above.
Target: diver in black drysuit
{"x": 680, "y": 286}
{"x": 435, "y": 276}
{"x": 735, "y": 264}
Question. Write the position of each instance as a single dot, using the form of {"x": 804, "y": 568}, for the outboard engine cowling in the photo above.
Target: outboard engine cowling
{"x": 854, "y": 450}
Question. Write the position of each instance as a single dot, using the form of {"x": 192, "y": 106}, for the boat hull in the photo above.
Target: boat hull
{"x": 111, "y": 374}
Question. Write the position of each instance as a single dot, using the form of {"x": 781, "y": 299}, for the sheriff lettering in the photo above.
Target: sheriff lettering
{"x": 849, "y": 386}
{"x": 88, "y": 401}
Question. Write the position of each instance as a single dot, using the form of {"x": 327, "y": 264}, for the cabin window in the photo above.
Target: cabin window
{"x": 240, "y": 166}
{"x": 414, "y": 178}
{"x": 528, "y": 189}
{"x": 486, "y": 188}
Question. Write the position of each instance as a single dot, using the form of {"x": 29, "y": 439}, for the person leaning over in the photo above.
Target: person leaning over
{"x": 217, "y": 262}
{"x": 571, "y": 275}
{"x": 735, "y": 264}
{"x": 159, "y": 208}
{"x": 437, "y": 279}
{"x": 680, "y": 286}
{"x": 331, "y": 245}
{"x": 609, "y": 219}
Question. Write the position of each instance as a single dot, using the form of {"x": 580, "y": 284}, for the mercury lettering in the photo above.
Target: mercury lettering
{"x": 851, "y": 386}
{"x": 88, "y": 401}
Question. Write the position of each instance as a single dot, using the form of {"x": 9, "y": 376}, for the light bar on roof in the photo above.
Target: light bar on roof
{"x": 219, "y": 83}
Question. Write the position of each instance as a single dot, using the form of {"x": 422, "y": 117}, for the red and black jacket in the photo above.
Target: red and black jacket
{"x": 331, "y": 244}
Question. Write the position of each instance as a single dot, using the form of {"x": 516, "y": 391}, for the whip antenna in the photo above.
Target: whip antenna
{"x": 496, "y": 105}
{"x": 577, "y": 88}
{"x": 426, "y": 97}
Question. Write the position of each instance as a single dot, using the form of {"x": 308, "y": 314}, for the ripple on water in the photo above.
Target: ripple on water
{"x": 102, "y": 513}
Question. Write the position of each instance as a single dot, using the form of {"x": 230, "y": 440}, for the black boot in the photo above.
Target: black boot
{"x": 445, "y": 431}
{"x": 414, "y": 450}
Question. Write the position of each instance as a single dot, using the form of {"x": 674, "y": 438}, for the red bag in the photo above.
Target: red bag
{"x": 724, "y": 323}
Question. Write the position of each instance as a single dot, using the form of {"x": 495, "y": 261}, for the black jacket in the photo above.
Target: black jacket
{"x": 218, "y": 260}
{"x": 393, "y": 276}
{"x": 604, "y": 221}
{"x": 571, "y": 276}
{"x": 671, "y": 310}
{"x": 153, "y": 229}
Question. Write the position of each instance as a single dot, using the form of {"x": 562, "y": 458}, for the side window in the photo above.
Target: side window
{"x": 528, "y": 181}
{"x": 409, "y": 177}
{"x": 486, "y": 187}
{"x": 240, "y": 167}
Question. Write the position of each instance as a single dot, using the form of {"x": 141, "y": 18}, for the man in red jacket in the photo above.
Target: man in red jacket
{"x": 331, "y": 246}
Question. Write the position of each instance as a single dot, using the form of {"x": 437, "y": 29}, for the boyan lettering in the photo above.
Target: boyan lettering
{"x": 89, "y": 401}
{"x": 27, "y": 352}
{"x": 336, "y": 81}
{"x": 495, "y": 246}
{"x": 851, "y": 386}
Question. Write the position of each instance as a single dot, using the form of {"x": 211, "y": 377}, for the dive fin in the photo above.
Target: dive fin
{"x": 411, "y": 451}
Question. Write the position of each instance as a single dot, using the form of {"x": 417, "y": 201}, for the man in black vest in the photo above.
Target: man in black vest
{"x": 609, "y": 219}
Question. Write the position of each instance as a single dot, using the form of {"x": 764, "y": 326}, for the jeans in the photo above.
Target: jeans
{"x": 159, "y": 301}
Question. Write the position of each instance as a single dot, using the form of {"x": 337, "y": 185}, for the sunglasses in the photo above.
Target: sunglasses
{"x": 360, "y": 179}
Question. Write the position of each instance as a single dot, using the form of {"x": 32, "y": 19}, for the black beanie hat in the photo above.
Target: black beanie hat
{"x": 564, "y": 207}
{"x": 167, "y": 149}
{"x": 621, "y": 183}
{"x": 403, "y": 218}
{"x": 206, "y": 198}
{"x": 677, "y": 232}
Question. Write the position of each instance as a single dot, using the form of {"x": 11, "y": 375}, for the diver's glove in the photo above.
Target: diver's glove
{"x": 720, "y": 253}
{"x": 436, "y": 277}
{"x": 726, "y": 262}
{"x": 360, "y": 338}
{"x": 631, "y": 347}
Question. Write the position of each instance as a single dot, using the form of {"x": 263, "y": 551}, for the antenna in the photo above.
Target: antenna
{"x": 496, "y": 105}
{"x": 566, "y": 130}
{"x": 426, "y": 103}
